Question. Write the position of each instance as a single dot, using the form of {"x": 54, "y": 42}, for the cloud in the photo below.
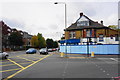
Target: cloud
{"x": 48, "y": 18}
{"x": 53, "y": 27}
{"x": 14, "y": 23}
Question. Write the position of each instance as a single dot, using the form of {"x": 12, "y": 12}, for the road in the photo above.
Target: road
{"x": 21, "y": 66}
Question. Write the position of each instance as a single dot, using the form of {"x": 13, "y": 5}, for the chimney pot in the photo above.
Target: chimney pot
{"x": 81, "y": 14}
{"x": 101, "y": 22}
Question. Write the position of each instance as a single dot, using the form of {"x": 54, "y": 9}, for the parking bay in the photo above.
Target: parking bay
{"x": 17, "y": 63}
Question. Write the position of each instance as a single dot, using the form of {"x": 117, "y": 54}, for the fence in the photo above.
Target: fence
{"x": 97, "y": 49}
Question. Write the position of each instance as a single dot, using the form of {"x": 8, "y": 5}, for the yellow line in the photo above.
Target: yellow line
{"x": 35, "y": 57}
{"x": 25, "y": 59}
{"x": 5, "y": 62}
{"x": 25, "y": 68}
{"x": 10, "y": 70}
{"x": 15, "y": 63}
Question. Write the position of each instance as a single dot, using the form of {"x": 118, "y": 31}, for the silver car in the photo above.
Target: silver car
{"x": 43, "y": 51}
{"x": 3, "y": 55}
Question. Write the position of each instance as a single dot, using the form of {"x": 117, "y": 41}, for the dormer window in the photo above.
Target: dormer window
{"x": 83, "y": 23}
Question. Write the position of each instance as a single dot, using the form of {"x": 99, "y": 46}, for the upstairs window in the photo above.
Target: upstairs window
{"x": 83, "y": 23}
{"x": 72, "y": 35}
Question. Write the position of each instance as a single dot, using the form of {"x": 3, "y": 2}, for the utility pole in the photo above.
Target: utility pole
{"x": 65, "y": 12}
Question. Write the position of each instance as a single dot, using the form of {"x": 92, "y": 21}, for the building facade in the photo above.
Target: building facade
{"x": 5, "y": 32}
{"x": 86, "y": 30}
{"x": 26, "y": 39}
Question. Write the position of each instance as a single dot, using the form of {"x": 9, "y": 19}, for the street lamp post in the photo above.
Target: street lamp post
{"x": 65, "y": 24}
{"x": 119, "y": 34}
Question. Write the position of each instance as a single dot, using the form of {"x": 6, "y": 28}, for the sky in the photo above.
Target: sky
{"x": 43, "y": 16}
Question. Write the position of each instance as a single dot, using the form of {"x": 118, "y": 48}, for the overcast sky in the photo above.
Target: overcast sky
{"x": 43, "y": 16}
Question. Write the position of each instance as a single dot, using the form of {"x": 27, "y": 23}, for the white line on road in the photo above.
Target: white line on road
{"x": 114, "y": 59}
{"x": 104, "y": 71}
{"x": 108, "y": 74}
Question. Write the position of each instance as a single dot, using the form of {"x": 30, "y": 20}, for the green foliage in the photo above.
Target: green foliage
{"x": 34, "y": 41}
{"x": 41, "y": 41}
{"x": 113, "y": 26}
{"x": 38, "y": 41}
{"x": 51, "y": 44}
{"x": 15, "y": 39}
{"x": 55, "y": 44}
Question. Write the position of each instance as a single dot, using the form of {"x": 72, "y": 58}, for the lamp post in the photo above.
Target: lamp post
{"x": 65, "y": 23}
{"x": 119, "y": 34}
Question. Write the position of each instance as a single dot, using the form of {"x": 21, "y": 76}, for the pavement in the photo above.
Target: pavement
{"x": 21, "y": 66}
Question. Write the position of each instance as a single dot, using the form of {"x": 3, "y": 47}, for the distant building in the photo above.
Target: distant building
{"x": 6, "y": 30}
{"x": 84, "y": 28}
{"x": 26, "y": 39}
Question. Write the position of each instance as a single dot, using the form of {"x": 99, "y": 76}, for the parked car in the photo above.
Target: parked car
{"x": 31, "y": 51}
{"x": 50, "y": 50}
{"x": 54, "y": 49}
{"x": 43, "y": 51}
{"x": 3, "y": 55}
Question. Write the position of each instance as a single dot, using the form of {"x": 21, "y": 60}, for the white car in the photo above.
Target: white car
{"x": 43, "y": 51}
{"x": 3, "y": 55}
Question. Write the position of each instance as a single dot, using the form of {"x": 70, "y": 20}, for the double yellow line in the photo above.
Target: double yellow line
{"x": 23, "y": 68}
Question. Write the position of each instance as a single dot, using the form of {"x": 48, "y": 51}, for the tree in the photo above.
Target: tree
{"x": 49, "y": 43}
{"x": 41, "y": 41}
{"x": 113, "y": 26}
{"x": 55, "y": 44}
{"x": 15, "y": 39}
{"x": 34, "y": 41}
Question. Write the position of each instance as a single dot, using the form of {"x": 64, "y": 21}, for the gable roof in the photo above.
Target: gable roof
{"x": 92, "y": 24}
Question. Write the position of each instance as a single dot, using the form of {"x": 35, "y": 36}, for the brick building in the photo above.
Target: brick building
{"x": 5, "y": 32}
{"x": 85, "y": 28}
{"x": 26, "y": 39}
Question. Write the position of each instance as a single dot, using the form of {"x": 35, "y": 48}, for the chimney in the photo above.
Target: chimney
{"x": 101, "y": 22}
{"x": 81, "y": 14}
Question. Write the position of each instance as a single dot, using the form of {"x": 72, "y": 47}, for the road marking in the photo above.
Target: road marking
{"x": 114, "y": 59}
{"x": 104, "y": 71}
{"x": 26, "y": 67}
{"x": 108, "y": 74}
{"x": 101, "y": 69}
{"x": 15, "y": 63}
{"x": 10, "y": 70}
{"x": 26, "y": 59}
{"x": 5, "y": 62}
{"x": 35, "y": 57}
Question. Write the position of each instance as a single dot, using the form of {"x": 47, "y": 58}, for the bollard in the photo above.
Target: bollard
{"x": 92, "y": 54}
{"x": 61, "y": 54}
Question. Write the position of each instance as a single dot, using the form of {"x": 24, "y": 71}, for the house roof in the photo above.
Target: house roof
{"x": 92, "y": 24}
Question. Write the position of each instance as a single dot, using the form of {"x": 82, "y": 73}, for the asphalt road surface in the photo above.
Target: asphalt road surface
{"x": 21, "y": 66}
